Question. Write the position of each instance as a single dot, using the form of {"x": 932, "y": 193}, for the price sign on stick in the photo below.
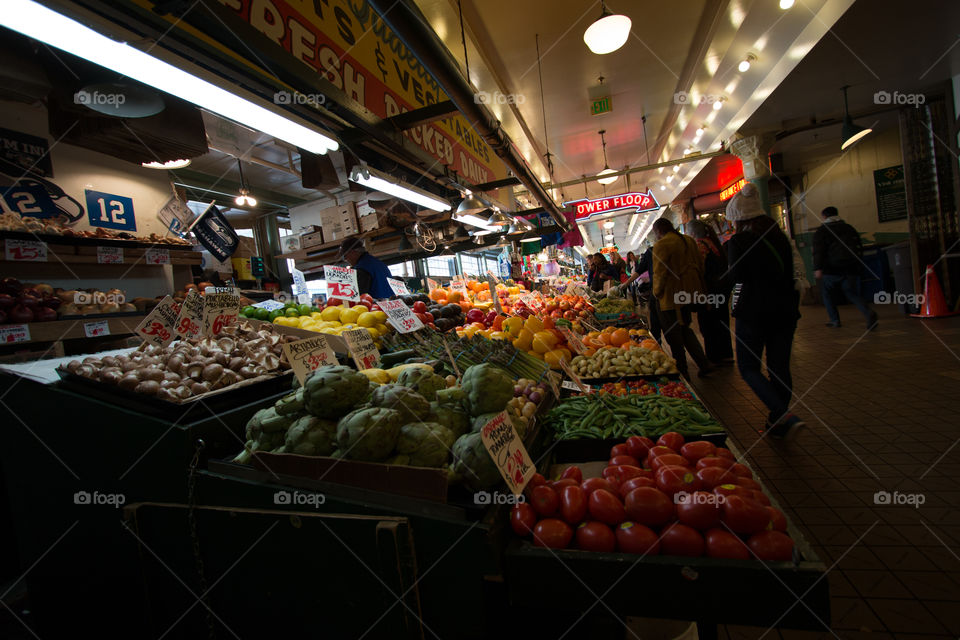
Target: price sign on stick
{"x": 493, "y": 292}
{"x": 109, "y": 255}
{"x": 190, "y": 321}
{"x": 26, "y": 251}
{"x": 361, "y": 347}
{"x": 399, "y": 287}
{"x": 341, "y": 283}
{"x": 14, "y": 333}
{"x": 157, "y": 327}
{"x": 507, "y": 452}
{"x": 269, "y": 305}
{"x": 400, "y": 316}
{"x": 96, "y": 329}
{"x": 432, "y": 284}
{"x": 576, "y": 344}
{"x": 220, "y": 309}
{"x": 306, "y": 355}
{"x": 157, "y": 255}
{"x": 570, "y": 374}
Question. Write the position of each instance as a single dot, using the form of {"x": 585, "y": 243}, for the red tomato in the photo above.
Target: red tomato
{"x": 428, "y": 316}
{"x": 522, "y": 519}
{"x": 633, "y": 537}
{"x": 558, "y": 485}
{"x": 606, "y": 507}
{"x": 723, "y": 544}
{"x": 623, "y": 472}
{"x": 535, "y": 481}
{"x": 619, "y": 450}
{"x": 747, "y": 483}
{"x": 649, "y": 506}
{"x": 635, "y": 483}
{"x": 745, "y": 516}
{"x": 552, "y": 533}
{"x": 672, "y": 439}
{"x": 573, "y": 504}
{"x": 419, "y": 307}
{"x": 772, "y": 545}
{"x": 742, "y": 470}
{"x": 375, "y": 307}
{"x": 671, "y": 480}
{"x": 723, "y": 452}
{"x": 572, "y": 472}
{"x": 714, "y": 461}
{"x": 595, "y": 536}
{"x": 680, "y": 540}
{"x": 639, "y": 446}
{"x": 659, "y": 450}
{"x": 669, "y": 460}
{"x": 699, "y": 449}
{"x": 711, "y": 477}
{"x": 760, "y": 497}
{"x": 700, "y": 510}
{"x": 629, "y": 460}
{"x": 777, "y": 520}
{"x": 431, "y": 325}
{"x": 592, "y": 484}
{"x": 544, "y": 501}
{"x": 728, "y": 490}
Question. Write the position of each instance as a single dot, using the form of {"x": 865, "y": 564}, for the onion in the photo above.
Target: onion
{"x": 535, "y": 397}
{"x": 7, "y": 302}
{"x": 517, "y": 391}
{"x": 20, "y": 314}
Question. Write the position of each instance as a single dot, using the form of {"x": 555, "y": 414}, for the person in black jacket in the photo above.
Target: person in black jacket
{"x": 837, "y": 252}
{"x": 766, "y": 305}
{"x": 713, "y": 315}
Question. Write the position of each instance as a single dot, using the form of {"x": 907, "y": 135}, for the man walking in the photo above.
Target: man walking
{"x": 837, "y": 252}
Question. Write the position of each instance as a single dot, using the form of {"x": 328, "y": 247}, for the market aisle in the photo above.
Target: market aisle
{"x": 881, "y": 411}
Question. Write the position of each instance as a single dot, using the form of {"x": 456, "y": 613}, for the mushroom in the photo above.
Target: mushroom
{"x": 198, "y": 388}
{"x": 149, "y": 387}
{"x": 213, "y": 372}
{"x": 194, "y": 370}
{"x": 249, "y": 371}
{"x": 168, "y": 394}
{"x": 175, "y": 363}
{"x": 227, "y": 344}
{"x": 74, "y": 365}
{"x": 128, "y": 382}
{"x": 170, "y": 375}
{"x": 151, "y": 374}
{"x": 237, "y": 363}
{"x": 222, "y": 358}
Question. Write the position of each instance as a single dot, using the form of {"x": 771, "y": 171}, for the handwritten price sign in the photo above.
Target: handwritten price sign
{"x": 399, "y": 287}
{"x": 573, "y": 340}
{"x": 96, "y": 329}
{"x": 432, "y": 284}
{"x": 157, "y": 327}
{"x": 26, "y": 251}
{"x": 14, "y": 333}
{"x": 157, "y": 255}
{"x": 459, "y": 286}
{"x": 306, "y": 355}
{"x": 400, "y": 316}
{"x": 361, "y": 347}
{"x": 492, "y": 283}
{"x": 341, "y": 283}
{"x": 190, "y": 321}
{"x": 508, "y": 452}
{"x": 219, "y": 310}
{"x": 109, "y": 255}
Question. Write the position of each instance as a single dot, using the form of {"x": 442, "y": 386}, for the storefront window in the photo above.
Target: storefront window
{"x": 441, "y": 266}
{"x": 472, "y": 265}
{"x": 403, "y": 269}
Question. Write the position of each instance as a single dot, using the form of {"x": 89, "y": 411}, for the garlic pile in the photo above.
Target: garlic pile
{"x": 188, "y": 368}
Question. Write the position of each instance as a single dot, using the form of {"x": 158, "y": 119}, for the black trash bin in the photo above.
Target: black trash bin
{"x": 901, "y": 263}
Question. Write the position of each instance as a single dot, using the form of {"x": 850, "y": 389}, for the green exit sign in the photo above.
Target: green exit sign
{"x": 600, "y": 105}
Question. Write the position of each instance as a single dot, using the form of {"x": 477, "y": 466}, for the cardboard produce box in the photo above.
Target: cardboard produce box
{"x": 339, "y": 222}
{"x": 312, "y": 239}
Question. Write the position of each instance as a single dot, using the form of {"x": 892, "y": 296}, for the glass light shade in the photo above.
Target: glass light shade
{"x": 607, "y": 34}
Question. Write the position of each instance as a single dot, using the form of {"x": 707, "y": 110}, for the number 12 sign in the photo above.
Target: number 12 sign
{"x": 341, "y": 282}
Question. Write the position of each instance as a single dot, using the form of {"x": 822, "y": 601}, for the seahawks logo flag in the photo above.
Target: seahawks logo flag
{"x": 215, "y": 234}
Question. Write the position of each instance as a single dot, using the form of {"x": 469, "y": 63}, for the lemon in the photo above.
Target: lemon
{"x": 349, "y": 316}
{"x": 317, "y": 315}
{"x": 373, "y": 332}
{"x": 360, "y": 308}
{"x": 329, "y": 331}
{"x": 384, "y": 328}
{"x": 304, "y": 320}
{"x": 381, "y": 317}
{"x": 367, "y": 319}
{"x": 330, "y": 313}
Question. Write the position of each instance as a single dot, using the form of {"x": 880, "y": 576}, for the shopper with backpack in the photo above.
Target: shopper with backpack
{"x": 837, "y": 258}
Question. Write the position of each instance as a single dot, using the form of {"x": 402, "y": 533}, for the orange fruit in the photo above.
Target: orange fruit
{"x": 619, "y": 337}
{"x": 605, "y": 338}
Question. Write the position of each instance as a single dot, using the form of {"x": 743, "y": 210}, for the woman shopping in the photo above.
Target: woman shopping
{"x": 713, "y": 314}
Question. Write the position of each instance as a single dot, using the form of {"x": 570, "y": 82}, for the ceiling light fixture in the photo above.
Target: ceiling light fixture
{"x": 786, "y": 4}
{"x": 608, "y": 33}
{"x": 717, "y": 104}
{"x": 850, "y": 133}
{"x": 609, "y": 224}
{"x": 676, "y": 169}
{"x": 499, "y": 219}
{"x": 471, "y": 204}
{"x": 663, "y": 187}
{"x": 375, "y": 180}
{"x": 700, "y": 130}
{"x": 606, "y": 167}
{"x": 529, "y": 237}
{"x": 669, "y": 178}
{"x": 170, "y": 164}
{"x": 57, "y": 30}
{"x": 244, "y": 199}
{"x": 744, "y": 65}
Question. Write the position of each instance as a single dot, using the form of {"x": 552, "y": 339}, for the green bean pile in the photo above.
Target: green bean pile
{"x": 602, "y": 416}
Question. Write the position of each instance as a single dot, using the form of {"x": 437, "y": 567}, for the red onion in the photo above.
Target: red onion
{"x": 20, "y": 314}
{"x": 11, "y": 286}
{"x": 45, "y": 314}
{"x": 29, "y": 302}
{"x": 535, "y": 397}
{"x": 7, "y": 301}
{"x": 517, "y": 391}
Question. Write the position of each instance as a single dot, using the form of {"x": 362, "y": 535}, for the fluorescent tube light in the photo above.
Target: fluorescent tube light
{"x": 52, "y": 28}
{"x": 379, "y": 181}
{"x": 476, "y": 221}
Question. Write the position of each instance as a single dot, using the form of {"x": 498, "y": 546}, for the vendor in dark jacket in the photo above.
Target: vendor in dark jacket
{"x": 765, "y": 304}
{"x": 372, "y": 274}
{"x": 600, "y": 272}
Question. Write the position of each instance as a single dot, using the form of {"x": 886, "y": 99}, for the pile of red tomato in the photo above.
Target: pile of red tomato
{"x": 668, "y": 497}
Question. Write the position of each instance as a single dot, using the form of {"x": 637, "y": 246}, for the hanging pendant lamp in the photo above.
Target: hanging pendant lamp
{"x": 606, "y": 167}
{"x": 850, "y": 133}
{"x": 608, "y": 33}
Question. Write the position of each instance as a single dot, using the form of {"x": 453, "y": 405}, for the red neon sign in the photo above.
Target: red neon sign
{"x": 732, "y": 190}
{"x": 587, "y": 208}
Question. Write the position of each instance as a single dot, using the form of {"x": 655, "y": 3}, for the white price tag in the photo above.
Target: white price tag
{"x": 157, "y": 327}
{"x": 190, "y": 321}
{"x": 432, "y": 284}
{"x": 109, "y": 255}
{"x": 508, "y": 452}
{"x": 306, "y": 355}
{"x": 491, "y": 282}
{"x": 399, "y": 287}
{"x": 400, "y": 316}
{"x": 14, "y": 333}
{"x": 269, "y": 305}
{"x": 361, "y": 347}
{"x": 157, "y": 255}
{"x": 459, "y": 286}
{"x": 576, "y": 344}
{"x": 341, "y": 283}
{"x": 96, "y": 329}
{"x": 26, "y": 250}
{"x": 219, "y": 309}
{"x": 574, "y": 377}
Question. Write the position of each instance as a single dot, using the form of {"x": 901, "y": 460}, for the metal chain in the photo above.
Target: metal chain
{"x": 195, "y": 539}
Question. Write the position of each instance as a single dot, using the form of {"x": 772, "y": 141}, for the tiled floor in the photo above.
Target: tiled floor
{"x": 882, "y": 415}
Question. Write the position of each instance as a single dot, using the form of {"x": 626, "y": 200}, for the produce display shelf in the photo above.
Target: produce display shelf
{"x": 80, "y": 241}
{"x": 73, "y": 328}
{"x": 74, "y": 250}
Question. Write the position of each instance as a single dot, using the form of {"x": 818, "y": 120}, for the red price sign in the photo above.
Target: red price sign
{"x": 219, "y": 310}
{"x": 157, "y": 256}
{"x": 26, "y": 251}
{"x": 190, "y": 322}
{"x": 188, "y": 326}
{"x": 400, "y": 316}
{"x": 13, "y": 333}
{"x": 315, "y": 360}
{"x": 362, "y": 349}
{"x": 221, "y": 321}
{"x": 341, "y": 282}
{"x": 341, "y": 290}
{"x": 110, "y": 255}
{"x": 94, "y": 329}
{"x": 508, "y": 452}
{"x": 157, "y": 328}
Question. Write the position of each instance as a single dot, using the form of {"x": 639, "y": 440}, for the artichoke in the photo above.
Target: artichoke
{"x": 488, "y": 388}
{"x": 452, "y": 417}
{"x": 331, "y": 391}
{"x": 472, "y": 463}
{"x": 399, "y": 459}
{"x": 426, "y": 443}
{"x": 369, "y": 434}
{"x": 481, "y": 420}
{"x": 411, "y": 405}
{"x": 290, "y": 404}
{"x": 312, "y": 436}
{"x": 266, "y": 431}
{"x": 424, "y": 381}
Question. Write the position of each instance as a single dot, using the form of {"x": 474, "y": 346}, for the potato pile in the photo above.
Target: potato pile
{"x": 614, "y": 362}
{"x": 188, "y": 368}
